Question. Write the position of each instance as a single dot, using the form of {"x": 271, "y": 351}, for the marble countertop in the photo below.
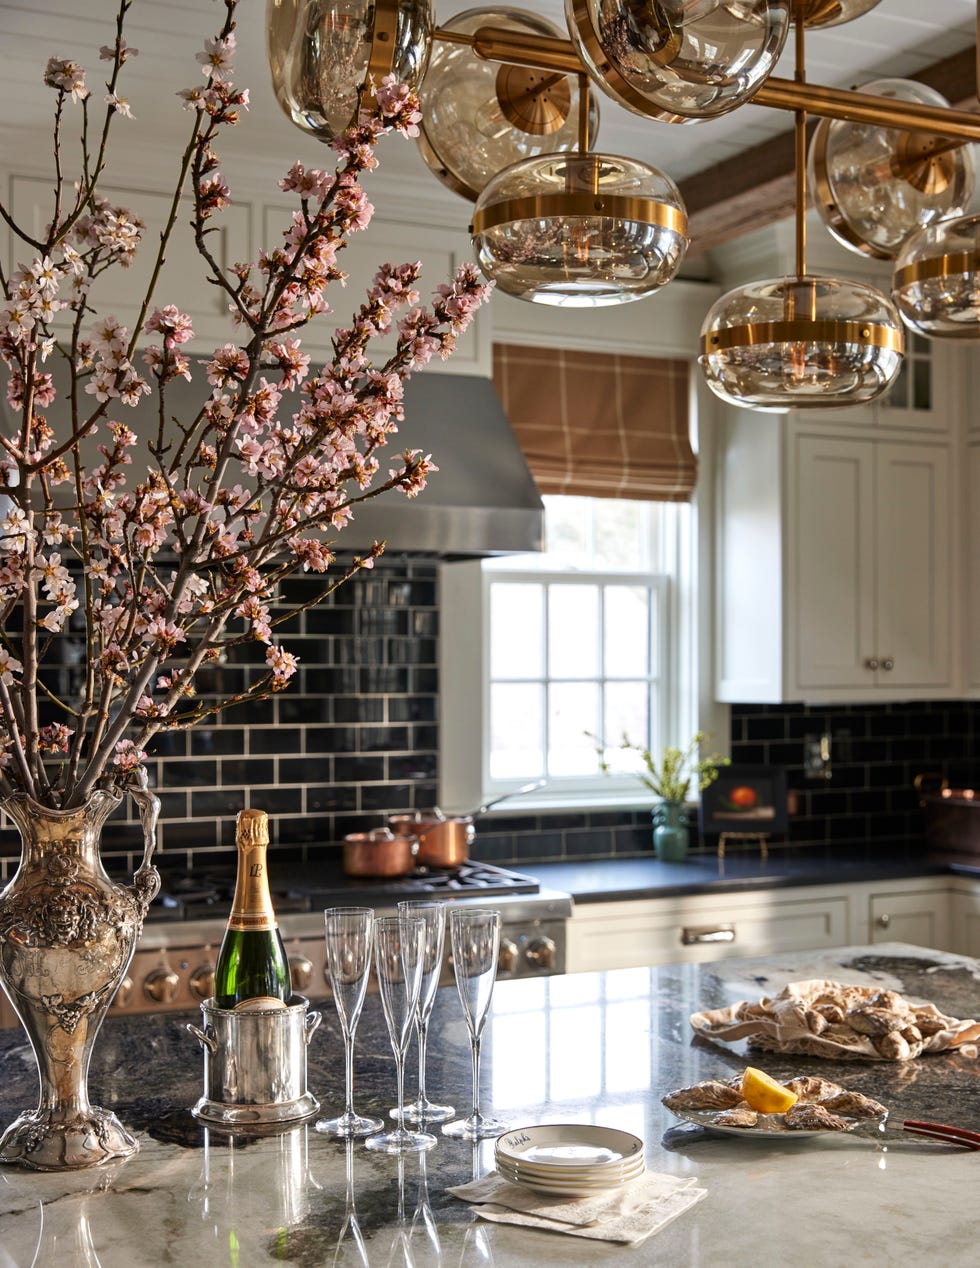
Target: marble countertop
{"x": 597, "y": 1048}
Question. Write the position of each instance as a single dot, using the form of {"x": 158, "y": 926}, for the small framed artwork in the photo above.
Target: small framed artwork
{"x": 749, "y": 799}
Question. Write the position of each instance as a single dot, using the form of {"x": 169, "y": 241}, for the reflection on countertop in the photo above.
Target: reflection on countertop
{"x": 597, "y": 1048}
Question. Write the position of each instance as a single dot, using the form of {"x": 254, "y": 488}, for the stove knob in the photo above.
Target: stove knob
{"x": 201, "y": 981}
{"x": 540, "y": 954}
{"x": 161, "y": 985}
{"x": 300, "y": 971}
{"x": 121, "y": 998}
{"x": 507, "y": 956}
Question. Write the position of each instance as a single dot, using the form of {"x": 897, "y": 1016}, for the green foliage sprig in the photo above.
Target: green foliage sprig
{"x": 671, "y": 777}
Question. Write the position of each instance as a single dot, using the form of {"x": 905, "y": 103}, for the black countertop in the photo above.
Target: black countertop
{"x": 612, "y": 880}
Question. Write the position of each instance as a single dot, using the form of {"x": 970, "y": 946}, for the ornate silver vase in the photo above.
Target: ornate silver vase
{"x": 67, "y": 936}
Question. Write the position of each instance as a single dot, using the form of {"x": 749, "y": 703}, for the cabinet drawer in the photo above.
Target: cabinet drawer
{"x": 643, "y": 934}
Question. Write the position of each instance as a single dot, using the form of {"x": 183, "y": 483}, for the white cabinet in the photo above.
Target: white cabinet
{"x": 965, "y": 917}
{"x": 835, "y": 563}
{"x": 641, "y": 932}
{"x": 869, "y": 543}
{"x": 972, "y": 585}
{"x": 940, "y": 911}
{"x": 921, "y": 917}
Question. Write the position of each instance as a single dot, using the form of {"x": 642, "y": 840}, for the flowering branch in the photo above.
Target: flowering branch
{"x": 168, "y": 570}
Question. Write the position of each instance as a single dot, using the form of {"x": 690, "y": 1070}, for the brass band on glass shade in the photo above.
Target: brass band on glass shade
{"x": 580, "y": 230}
{"x": 478, "y": 117}
{"x": 323, "y": 56}
{"x": 936, "y": 282}
{"x": 873, "y": 186}
{"x": 817, "y": 13}
{"x": 804, "y": 342}
{"x": 679, "y": 62}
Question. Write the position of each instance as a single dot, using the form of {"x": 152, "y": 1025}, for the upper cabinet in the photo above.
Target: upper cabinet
{"x": 838, "y": 549}
{"x": 242, "y": 230}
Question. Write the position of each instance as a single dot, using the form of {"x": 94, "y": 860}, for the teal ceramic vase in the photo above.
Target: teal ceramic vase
{"x": 671, "y": 834}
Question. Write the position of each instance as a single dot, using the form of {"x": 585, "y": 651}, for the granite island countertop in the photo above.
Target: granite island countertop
{"x": 580, "y": 1048}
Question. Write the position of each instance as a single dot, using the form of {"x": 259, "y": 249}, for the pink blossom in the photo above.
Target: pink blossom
{"x": 67, "y": 77}
{"x": 128, "y": 756}
{"x": 9, "y": 665}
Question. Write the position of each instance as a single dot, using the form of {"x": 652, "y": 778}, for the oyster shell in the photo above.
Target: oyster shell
{"x": 807, "y": 1116}
{"x": 854, "y": 1105}
{"x": 737, "y": 1116}
{"x": 707, "y": 1095}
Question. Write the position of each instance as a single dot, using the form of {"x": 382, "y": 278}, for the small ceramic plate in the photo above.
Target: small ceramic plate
{"x": 569, "y": 1187}
{"x": 559, "y": 1147}
{"x": 585, "y": 1175}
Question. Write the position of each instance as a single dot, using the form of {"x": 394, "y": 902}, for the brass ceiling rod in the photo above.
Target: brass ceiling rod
{"x": 547, "y": 53}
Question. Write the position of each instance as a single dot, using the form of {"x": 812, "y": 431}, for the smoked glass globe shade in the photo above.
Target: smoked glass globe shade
{"x": 479, "y": 116}
{"x": 580, "y": 230}
{"x": 680, "y": 61}
{"x": 801, "y": 343}
{"x": 873, "y": 186}
{"x": 321, "y": 52}
{"x": 936, "y": 283}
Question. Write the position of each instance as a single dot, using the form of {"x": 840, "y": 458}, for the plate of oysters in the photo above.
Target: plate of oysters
{"x": 755, "y": 1106}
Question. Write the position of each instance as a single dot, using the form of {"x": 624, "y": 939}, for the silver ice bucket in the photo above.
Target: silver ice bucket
{"x": 255, "y": 1065}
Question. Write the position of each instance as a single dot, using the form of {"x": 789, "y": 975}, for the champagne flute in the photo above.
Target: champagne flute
{"x": 399, "y": 951}
{"x": 475, "y": 937}
{"x": 422, "y": 1110}
{"x": 348, "y": 933}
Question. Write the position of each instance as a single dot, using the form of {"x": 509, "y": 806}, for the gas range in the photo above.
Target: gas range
{"x": 174, "y": 961}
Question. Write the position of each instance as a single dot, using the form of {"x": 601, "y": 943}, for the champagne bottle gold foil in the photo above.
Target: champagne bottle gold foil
{"x": 252, "y": 905}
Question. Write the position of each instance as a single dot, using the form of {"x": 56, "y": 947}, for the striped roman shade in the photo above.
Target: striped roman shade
{"x": 593, "y": 424}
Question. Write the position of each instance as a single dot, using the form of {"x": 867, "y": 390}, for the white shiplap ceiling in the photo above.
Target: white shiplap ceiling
{"x": 897, "y": 38}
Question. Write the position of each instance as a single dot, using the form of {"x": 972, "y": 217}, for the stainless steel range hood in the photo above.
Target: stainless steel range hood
{"x": 482, "y": 501}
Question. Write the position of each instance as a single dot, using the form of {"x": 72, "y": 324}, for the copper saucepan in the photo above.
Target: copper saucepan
{"x": 445, "y": 840}
{"x": 379, "y": 853}
{"x": 442, "y": 841}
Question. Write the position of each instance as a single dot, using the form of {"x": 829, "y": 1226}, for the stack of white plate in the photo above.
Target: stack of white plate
{"x": 569, "y": 1159}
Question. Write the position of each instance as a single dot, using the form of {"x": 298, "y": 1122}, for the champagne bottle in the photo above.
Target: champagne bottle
{"x": 252, "y": 970}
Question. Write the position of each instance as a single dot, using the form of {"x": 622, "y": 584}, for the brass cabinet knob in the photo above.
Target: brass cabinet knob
{"x": 300, "y": 972}
{"x": 541, "y": 953}
{"x": 884, "y": 920}
{"x": 888, "y": 662}
{"x": 161, "y": 986}
{"x": 121, "y": 997}
{"x": 507, "y": 956}
{"x": 872, "y": 662}
{"x": 201, "y": 981}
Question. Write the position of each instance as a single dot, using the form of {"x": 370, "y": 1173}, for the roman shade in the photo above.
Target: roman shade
{"x": 595, "y": 424}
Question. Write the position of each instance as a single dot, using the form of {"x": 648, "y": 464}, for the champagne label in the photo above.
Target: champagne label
{"x": 260, "y": 1004}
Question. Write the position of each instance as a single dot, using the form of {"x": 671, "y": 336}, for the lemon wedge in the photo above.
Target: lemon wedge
{"x": 764, "y": 1094}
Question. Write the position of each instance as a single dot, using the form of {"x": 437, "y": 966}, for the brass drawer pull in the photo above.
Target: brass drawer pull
{"x": 694, "y": 935}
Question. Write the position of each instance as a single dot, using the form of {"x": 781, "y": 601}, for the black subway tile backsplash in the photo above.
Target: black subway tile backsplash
{"x": 355, "y": 737}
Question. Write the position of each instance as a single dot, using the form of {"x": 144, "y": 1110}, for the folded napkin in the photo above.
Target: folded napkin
{"x": 629, "y": 1214}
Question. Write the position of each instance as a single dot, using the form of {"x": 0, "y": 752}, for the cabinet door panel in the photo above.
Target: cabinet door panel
{"x": 833, "y": 554}
{"x": 913, "y": 577}
{"x": 921, "y": 919}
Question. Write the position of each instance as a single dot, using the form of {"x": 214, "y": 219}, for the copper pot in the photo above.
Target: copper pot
{"x": 379, "y": 853}
{"x": 442, "y": 841}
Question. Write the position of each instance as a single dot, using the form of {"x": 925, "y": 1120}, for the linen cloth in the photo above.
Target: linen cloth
{"x": 630, "y": 1214}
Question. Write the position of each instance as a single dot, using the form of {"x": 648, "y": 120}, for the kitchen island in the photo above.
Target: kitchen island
{"x": 597, "y": 1048}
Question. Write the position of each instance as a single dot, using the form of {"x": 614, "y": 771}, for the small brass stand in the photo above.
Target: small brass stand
{"x": 761, "y": 837}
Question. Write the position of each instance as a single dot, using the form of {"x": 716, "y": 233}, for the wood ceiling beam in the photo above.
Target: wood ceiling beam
{"x": 757, "y": 186}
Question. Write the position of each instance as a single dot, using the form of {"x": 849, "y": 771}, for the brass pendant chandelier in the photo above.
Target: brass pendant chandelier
{"x": 558, "y": 222}
{"x": 804, "y": 341}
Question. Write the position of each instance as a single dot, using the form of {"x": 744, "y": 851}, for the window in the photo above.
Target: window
{"x": 541, "y": 653}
